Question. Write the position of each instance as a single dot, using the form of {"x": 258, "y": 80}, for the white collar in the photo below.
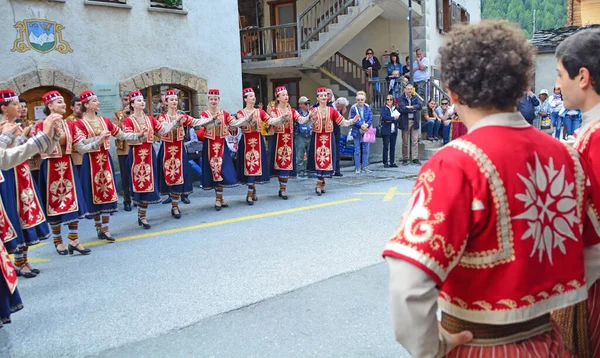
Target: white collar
{"x": 589, "y": 117}
{"x": 505, "y": 119}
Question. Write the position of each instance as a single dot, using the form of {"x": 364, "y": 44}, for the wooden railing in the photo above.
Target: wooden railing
{"x": 347, "y": 71}
{"x": 269, "y": 43}
{"x": 318, "y": 16}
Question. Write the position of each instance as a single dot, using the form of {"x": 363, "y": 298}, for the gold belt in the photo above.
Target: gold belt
{"x": 494, "y": 334}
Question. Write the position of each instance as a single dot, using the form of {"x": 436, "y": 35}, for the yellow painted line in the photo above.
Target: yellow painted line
{"x": 224, "y": 222}
{"x": 381, "y": 193}
{"x": 39, "y": 245}
{"x": 390, "y": 194}
{"x": 31, "y": 259}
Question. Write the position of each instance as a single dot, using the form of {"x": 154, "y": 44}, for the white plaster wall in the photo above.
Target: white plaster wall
{"x": 545, "y": 72}
{"x": 435, "y": 39}
{"x": 111, "y": 44}
{"x": 383, "y": 36}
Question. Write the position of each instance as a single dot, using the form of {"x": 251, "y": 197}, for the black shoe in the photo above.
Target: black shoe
{"x": 249, "y": 200}
{"x": 218, "y": 207}
{"x": 89, "y": 217}
{"x": 405, "y": 162}
{"x": 167, "y": 200}
{"x": 338, "y": 175}
{"x": 175, "y": 215}
{"x": 146, "y": 226}
{"x": 185, "y": 199}
{"x": 83, "y": 252}
{"x": 26, "y": 274}
{"x": 102, "y": 236}
{"x": 386, "y": 165}
{"x": 127, "y": 206}
{"x": 61, "y": 252}
{"x": 393, "y": 165}
{"x": 416, "y": 161}
{"x": 284, "y": 197}
{"x": 319, "y": 191}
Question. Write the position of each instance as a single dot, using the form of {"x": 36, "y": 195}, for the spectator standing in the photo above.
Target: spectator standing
{"x": 527, "y": 105}
{"x": 406, "y": 68}
{"x": 543, "y": 121}
{"x": 302, "y": 134}
{"x": 571, "y": 119}
{"x": 389, "y": 131}
{"x": 361, "y": 149}
{"x": 430, "y": 123}
{"x": 410, "y": 106}
{"x": 341, "y": 104}
{"x": 23, "y": 110}
{"x": 421, "y": 73}
{"x": 372, "y": 66}
{"x": 123, "y": 150}
{"x": 195, "y": 160}
{"x": 556, "y": 103}
{"x": 394, "y": 64}
{"x": 444, "y": 114}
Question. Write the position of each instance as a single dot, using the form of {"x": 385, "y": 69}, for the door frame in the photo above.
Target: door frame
{"x": 273, "y": 5}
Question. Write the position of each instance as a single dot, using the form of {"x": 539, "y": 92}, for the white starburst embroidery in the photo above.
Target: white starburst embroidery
{"x": 550, "y": 208}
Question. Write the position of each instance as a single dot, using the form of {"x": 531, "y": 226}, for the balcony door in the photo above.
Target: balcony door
{"x": 284, "y": 39}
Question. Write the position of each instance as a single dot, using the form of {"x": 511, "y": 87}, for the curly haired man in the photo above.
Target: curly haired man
{"x": 495, "y": 231}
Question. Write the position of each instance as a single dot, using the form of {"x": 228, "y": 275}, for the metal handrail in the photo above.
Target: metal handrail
{"x": 436, "y": 92}
{"x": 268, "y": 42}
{"x": 346, "y": 70}
{"x": 317, "y": 17}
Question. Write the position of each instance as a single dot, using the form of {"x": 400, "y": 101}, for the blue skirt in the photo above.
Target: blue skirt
{"x": 64, "y": 218}
{"x": 85, "y": 177}
{"x": 9, "y": 303}
{"x": 145, "y": 198}
{"x": 26, "y": 237}
{"x": 187, "y": 186}
{"x": 264, "y": 160}
{"x": 311, "y": 166}
{"x": 227, "y": 170}
{"x": 13, "y": 245}
{"x": 280, "y": 173}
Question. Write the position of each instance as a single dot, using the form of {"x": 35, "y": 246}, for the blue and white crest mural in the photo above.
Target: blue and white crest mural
{"x": 40, "y": 35}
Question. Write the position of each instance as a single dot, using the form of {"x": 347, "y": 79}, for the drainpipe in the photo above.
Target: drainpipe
{"x": 410, "y": 41}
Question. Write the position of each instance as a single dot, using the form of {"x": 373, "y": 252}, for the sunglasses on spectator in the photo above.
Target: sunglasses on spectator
{"x": 444, "y": 103}
{"x": 389, "y": 99}
{"x": 369, "y": 53}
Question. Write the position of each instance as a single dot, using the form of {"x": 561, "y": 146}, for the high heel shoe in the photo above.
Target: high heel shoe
{"x": 175, "y": 215}
{"x": 224, "y": 204}
{"x": 249, "y": 200}
{"x": 74, "y": 248}
{"x": 102, "y": 236}
{"x": 61, "y": 252}
{"x": 217, "y": 205}
{"x": 145, "y": 225}
{"x": 25, "y": 274}
{"x": 319, "y": 191}
{"x": 283, "y": 196}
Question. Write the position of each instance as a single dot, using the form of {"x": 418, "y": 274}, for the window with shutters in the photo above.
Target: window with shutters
{"x": 450, "y": 13}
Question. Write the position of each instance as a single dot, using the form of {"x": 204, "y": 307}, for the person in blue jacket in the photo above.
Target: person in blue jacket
{"x": 394, "y": 64}
{"x": 358, "y": 130}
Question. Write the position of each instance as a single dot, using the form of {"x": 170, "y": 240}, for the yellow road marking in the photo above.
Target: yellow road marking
{"x": 390, "y": 194}
{"x": 224, "y": 222}
{"x": 31, "y": 259}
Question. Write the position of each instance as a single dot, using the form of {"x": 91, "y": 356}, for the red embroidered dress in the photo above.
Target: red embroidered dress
{"x": 252, "y": 151}
{"x": 172, "y": 159}
{"x": 217, "y": 164}
{"x": 322, "y": 148}
{"x": 505, "y": 245}
{"x": 281, "y": 144}
{"x": 60, "y": 185}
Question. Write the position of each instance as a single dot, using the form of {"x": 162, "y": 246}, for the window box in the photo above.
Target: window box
{"x": 110, "y": 3}
{"x": 167, "y": 4}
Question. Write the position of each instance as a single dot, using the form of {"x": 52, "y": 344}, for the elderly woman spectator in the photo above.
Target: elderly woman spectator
{"x": 542, "y": 120}
{"x": 430, "y": 122}
{"x": 389, "y": 131}
{"x": 361, "y": 149}
{"x": 394, "y": 64}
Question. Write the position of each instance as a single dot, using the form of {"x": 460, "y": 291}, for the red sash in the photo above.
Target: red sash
{"x": 215, "y": 157}
{"x": 103, "y": 182}
{"x": 284, "y": 151}
{"x": 28, "y": 204}
{"x": 60, "y": 190}
{"x": 252, "y": 157}
{"x": 323, "y": 150}
{"x": 142, "y": 171}
{"x": 7, "y": 231}
{"x": 8, "y": 270}
{"x": 173, "y": 163}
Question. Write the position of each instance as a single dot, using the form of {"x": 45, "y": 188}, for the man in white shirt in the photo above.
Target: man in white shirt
{"x": 421, "y": 73}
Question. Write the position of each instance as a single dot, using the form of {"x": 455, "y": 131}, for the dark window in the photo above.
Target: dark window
{"x": 169, "y": 4}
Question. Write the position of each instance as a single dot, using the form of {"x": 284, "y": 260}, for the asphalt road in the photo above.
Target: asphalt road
{"x": 296, "y": 278}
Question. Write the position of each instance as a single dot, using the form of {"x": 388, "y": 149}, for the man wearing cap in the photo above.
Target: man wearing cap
{"x": 543, "y": 121}
{"x": 123, "y": 150}
{"x": 302, "y": 134}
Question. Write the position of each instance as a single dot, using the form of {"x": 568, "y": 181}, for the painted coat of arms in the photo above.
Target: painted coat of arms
{"x": 40, "y": 35}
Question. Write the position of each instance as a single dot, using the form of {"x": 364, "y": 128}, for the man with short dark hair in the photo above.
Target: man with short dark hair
{"x": 579, "y": 80}
{"x": 527, "y": 105}
{"x": 499, "y": 228}
{"x": 421, "y": 73}
{"x": 74, "y": 117}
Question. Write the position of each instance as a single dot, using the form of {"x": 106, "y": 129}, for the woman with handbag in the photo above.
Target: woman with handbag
{"x": 363, "y": 125}
{"x": 176, "y": 178}
{"x": 389, "y": 131}
{"x": 321, "y": 152}
{"x": 253, "y": 161}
